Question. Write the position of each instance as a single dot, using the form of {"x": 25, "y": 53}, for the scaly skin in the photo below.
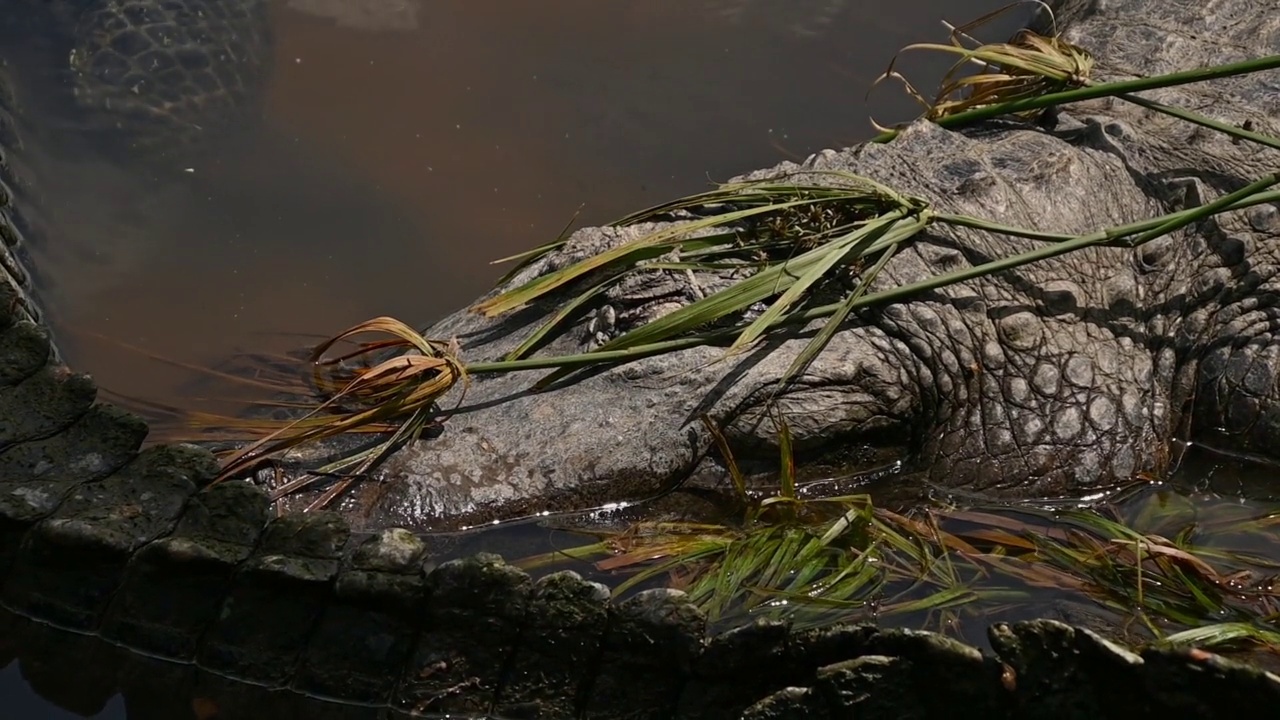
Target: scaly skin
{"x": 135, "y": 547}
{"x": 150, "y": 74}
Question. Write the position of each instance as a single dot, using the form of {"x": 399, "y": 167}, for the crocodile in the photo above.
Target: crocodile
{"x": 111, "y": 551}
{"x": 1062, "y": 378}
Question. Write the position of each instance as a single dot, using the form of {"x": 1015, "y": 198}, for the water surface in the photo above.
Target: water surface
{"x": 393, "y": 167}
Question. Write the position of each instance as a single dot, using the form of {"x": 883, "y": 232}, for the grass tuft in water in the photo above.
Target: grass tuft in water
{"x": 396, "y": 393}
{"x": 814, "y": 561}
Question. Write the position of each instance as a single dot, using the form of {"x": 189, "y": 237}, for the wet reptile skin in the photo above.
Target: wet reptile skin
{"x": 137, "y": 549}
{"x": 153, "y": 71}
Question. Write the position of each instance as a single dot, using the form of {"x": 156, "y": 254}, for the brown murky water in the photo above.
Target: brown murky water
{"x": 393, "y": 166}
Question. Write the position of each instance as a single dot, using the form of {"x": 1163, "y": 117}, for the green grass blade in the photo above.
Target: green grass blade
{"x": 527, "y": 258}
{"x": 563, "y": 365}
{"x": 541, "y": 335}
{"x": 1203, "y": 121}
{"x": 819, "y": 342}
{"x": 833, "y": 253}
{"x": 627, "y": 253}
{"x": 787, "y": 471}
{"x": 735, "y": 474}
{"x": 1219, "y": 634}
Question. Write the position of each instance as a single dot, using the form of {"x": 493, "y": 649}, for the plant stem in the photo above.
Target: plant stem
{"x": 1092, "y": 92}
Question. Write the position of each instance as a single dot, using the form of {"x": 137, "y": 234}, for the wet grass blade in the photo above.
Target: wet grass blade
{"x": 1224, "y": 635}
{"x": 787, "y": 473}
{"x": 819, "y": 342}
{"x": 400, "y": 390}
{"x": 735, "y": 474}
{"x": 843, "y": 555}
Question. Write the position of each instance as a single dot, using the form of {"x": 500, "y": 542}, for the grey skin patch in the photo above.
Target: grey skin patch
{"x": 1079, "y": 371}
{"x": 1062, "y": 297}
{"x": 1102, "y": 413}
{"x": 1045, "y": 378}
{"x": 1068, "y": 424}
{"x": 1021, "y": 331}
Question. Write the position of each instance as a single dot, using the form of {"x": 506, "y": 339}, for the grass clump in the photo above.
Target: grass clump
{"x": 1027, "y": 67}
{"x": 789, "y": 238}
{"x": 787, "y": 554}
{"x": 1153, "y": 567}
{"x": 795, "y": 269}
{"x": 394, "y": 392}
{"x": 1031, "y": 72}
{"x": 798, "y": 241}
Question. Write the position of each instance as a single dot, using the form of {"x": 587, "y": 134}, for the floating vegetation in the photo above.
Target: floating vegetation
{"x": 1154, "y": 565}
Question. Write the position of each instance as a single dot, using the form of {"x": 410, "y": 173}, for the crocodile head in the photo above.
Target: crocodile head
{"x": 1055, "y": 378}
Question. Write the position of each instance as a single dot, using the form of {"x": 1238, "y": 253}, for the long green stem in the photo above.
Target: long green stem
{"x": 1203, "y": 121}
{"x": 1092, "y": 92}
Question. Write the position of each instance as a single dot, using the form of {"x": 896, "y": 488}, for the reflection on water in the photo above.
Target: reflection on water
{"x": 21, "y": 702}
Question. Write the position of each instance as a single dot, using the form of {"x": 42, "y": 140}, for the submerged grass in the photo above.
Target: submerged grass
{"x": 813, "y": 561}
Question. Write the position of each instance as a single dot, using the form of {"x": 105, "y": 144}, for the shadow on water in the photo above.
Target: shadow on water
{"x": 392, "y": 166}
